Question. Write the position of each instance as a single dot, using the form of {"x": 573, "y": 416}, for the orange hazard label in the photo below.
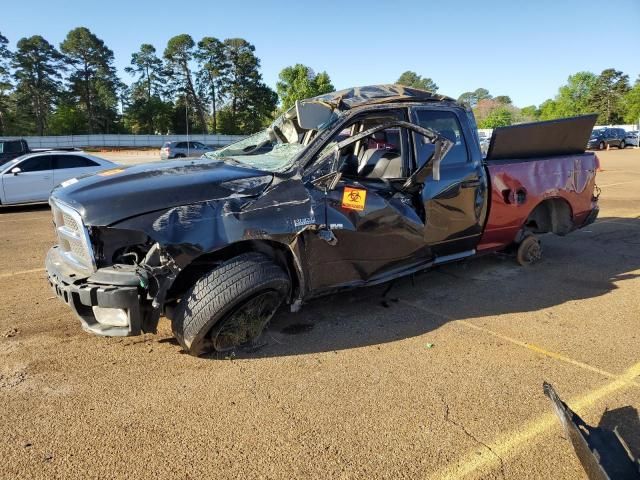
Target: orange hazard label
{"x": 354, "y": 198}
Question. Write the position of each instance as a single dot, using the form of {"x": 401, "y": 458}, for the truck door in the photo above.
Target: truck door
{"x": 455, "y": 206}
{"x": 374, "y": 228}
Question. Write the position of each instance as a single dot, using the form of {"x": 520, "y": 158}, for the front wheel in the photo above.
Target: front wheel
{"x": 601, "y": 146}
{"x": 231, "y": 305}
{"x": 623, "y": 145}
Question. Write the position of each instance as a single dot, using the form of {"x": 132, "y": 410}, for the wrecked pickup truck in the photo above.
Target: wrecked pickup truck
{"x": 348, "y": 189}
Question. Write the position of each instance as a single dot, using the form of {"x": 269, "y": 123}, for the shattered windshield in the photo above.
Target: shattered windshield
{"x": 272, "y": 149}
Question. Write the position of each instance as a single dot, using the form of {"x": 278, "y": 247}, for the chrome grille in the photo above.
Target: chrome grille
{"x": 73, "y": 237}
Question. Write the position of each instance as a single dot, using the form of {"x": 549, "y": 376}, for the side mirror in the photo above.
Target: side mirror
{"x": 16, "y": 170}
{"x": 311, "y": 115}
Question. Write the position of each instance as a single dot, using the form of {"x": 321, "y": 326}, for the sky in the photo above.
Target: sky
{"x": 522, "y": 48}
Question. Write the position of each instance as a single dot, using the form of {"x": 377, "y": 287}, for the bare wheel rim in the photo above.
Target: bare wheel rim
{"x": 246, "y": 322}
{"x": 533, "y": 252}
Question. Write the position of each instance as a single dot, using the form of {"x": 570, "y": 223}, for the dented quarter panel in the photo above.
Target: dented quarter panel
{"x": 570, "y": 177}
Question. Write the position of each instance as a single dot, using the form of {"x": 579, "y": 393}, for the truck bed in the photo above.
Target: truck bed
{"x": 518, "y": 186}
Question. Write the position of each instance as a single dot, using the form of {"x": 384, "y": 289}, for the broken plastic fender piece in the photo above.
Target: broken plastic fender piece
{"x": 604, "y": 455}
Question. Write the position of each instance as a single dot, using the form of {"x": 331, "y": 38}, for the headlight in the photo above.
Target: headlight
{"x": 114, "y": 317}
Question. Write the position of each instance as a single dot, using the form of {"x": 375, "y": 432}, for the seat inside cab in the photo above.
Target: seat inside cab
{"x": 378, "y": 156}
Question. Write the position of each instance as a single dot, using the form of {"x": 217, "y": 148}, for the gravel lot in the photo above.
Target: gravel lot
{"x": 441, "y": 380}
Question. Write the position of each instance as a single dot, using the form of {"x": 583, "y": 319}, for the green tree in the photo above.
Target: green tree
{"x": 573, "y": 98}
{"x": 549, "y": 110}
{"x": 251, "y": 103}
{"x": 5, "y": 83}
{"x": 146, "y": 111}
{"x": 607, "y": 96}
{"x": 503, "y": 99}
{"x": 412, "y": 79}
{"x": 530, "y": 113}
{"x": 632, "y": 104}
{"x": 299, "y": 82}
{"x": 146, "y": 65}
{"x": 37, "y": 66}
{"x": 178, "y": 55}
{"x": 153, "y": 115}
{"x": 498, "y": 117}
{"x": 67, "y": 119}
{"x": 93, "y": 81}
{"x": 471, "y": 99}
{"x": 213, "y": 69}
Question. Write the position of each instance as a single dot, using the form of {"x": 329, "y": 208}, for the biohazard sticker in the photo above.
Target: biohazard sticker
{"x": 354, "y": 198}
{"x": 113, "y": 171}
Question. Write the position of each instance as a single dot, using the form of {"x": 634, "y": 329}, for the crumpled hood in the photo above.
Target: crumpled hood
{"x": 114, "y": 195}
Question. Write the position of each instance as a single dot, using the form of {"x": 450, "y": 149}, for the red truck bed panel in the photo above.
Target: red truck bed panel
{"x": 519, "y": 186}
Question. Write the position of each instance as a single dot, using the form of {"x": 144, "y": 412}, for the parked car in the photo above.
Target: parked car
{"x": 183, "y": 150}
{"x": 10, "y": 149}
{"x": 632, "y": 138}
{"x": 30, "y": 178}
{"x": 218, "y": 245}
{"x": 601, "y": 138}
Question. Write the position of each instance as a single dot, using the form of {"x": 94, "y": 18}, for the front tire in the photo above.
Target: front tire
{"x": 231, "y": 305}
{"x": 623, "y": 145}
{"x": 601, "y": 146}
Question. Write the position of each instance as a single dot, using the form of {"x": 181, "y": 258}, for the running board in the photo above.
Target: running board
{"x": 453, "y": 257}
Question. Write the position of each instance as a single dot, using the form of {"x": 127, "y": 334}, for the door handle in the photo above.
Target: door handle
{"x": 470, "y": 183}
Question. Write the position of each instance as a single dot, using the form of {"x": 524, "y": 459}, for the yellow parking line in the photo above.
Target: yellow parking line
{"x": 509, "y": 443}
{"x": 542, "y": 351}
{"x": 20, "y": 272}
{"x": 529, "y": 346}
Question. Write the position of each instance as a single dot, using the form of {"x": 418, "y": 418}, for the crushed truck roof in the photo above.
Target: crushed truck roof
{"x": 357, "y": 96}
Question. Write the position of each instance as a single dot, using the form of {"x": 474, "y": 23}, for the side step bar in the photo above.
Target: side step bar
{"x": 453, "y": 257}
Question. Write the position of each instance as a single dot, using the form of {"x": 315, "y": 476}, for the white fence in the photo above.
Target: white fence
{"x": 156, "y": 141}
{"x": 131, "y": 141}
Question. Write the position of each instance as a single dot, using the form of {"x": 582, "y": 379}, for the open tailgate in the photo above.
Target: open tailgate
{"x": 565, "y": 136}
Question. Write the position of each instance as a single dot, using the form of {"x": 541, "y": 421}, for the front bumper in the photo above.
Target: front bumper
{"x": 81, "y": 292}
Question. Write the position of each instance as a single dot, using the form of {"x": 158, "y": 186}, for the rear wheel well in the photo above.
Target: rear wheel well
{"x": 552, "y": 215}
{"x": 278, "y": 252}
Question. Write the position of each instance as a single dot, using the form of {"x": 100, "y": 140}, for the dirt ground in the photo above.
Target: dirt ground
{"x": 443, "y": 379}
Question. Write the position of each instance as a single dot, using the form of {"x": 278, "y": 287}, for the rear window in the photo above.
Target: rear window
{"x": 72, "y": 161}
{"x": 166, "y": 145}
{"x": 181, "y": 145}
{"x": 12, "y": 146}
{"x": 446, "y": 124}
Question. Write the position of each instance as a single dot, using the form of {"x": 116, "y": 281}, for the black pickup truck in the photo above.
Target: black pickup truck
{"x": 356, "y": 187}
{"x": 10, "y": 149}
